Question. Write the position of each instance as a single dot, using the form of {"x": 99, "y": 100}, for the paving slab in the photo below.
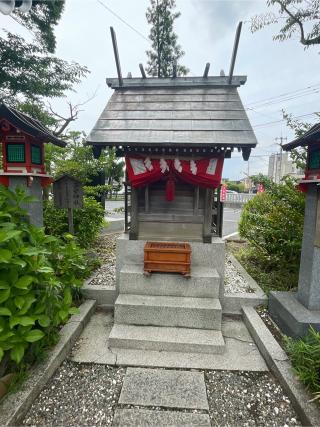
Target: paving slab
{"x": 241, "y": 353}
{"x": 165, "y": 388}
{"x": 92, "y": 346}
{"x": 142, "y": 417}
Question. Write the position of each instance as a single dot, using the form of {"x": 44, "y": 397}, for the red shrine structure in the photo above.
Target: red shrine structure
{"x": 23, "y": 162}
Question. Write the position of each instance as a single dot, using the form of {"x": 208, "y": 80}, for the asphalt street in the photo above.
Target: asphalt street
{"x": 230, "y": 217}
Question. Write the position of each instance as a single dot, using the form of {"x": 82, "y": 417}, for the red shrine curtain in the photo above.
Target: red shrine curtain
{"x": 203, "y": 172}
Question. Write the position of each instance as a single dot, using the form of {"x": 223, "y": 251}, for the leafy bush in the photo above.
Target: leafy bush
{"x": 88, "y": 221}
{"x": 37, "y": 276}
{"x": 305, "y": 356}
{"x": 273, "y": 223}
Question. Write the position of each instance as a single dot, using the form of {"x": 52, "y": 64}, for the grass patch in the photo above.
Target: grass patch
{"x": 305, "y": 357}
{"x": 268, "y": 275}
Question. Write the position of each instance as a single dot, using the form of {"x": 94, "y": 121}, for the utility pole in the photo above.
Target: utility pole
{"x": 281, "y": 139}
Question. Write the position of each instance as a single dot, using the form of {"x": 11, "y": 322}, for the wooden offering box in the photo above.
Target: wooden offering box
{"x": 167, "y": 257}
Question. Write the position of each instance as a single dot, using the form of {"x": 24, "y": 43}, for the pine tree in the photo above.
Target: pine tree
{"x": 165, "y": 50}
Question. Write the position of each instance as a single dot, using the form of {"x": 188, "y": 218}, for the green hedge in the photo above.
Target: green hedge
{"x": 38, "y": 276}
{"x": 273, "y": 223}
{"x": 88, "y": 221}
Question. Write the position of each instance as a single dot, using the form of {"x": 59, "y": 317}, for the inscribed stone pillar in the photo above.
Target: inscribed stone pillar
{"x": 309, "y": 277}
{"x": 35, "y": 209}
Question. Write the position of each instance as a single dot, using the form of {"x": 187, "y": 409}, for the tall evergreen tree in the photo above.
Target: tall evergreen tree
{"x": 165, "y": 50}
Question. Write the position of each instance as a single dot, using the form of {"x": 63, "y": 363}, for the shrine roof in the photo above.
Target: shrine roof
{"x": 179, "y": 112}
{"x": 309, "y": 137}
{"x": 28, "y": 125}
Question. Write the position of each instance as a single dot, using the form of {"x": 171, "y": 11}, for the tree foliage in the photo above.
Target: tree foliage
{"x": 165, "y": 50}
{"x": 273, "y": 223}
{"x": 296, "y": 17}
{"x": 298, "y": 155}
{"x": 29, "y": 71}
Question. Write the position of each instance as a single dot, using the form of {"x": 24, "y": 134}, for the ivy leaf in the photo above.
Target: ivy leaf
{"x": 74, "y": 310}
{"x": 23, "y": 282}
{"x": 5, "y": 255}
{"x": 44, "y": 321}
{"x": 67, "y": 296}
{"x": 32, "y": 251}
{"x": 4, "y": 337}
{"x": 17, "y": 353}
{"x": 23, "y": 320}
{"x": 19, "y": 301}
{"x": 45, "y": 269}
{"x": 19, "y": 261}
{"x": 4, "y": 295}
{"x": 4, "y": 311}
{"x": 63, "y": 314}
{"x": 28, "y": 301}
{"x": 7, "y": 235}
{"x": 34, "y": 335}
{"x": 4, "y": 285}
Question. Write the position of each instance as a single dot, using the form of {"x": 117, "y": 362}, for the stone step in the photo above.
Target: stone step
{"x": 183, "y": 340}
{"x": 198, "y": 313}
{"x": 203, "y": 283}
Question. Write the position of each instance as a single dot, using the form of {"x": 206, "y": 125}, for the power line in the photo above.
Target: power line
{"x": 122, "y": 20}
{"x": 282, "y": 120}
{"x": 310, "y": 88}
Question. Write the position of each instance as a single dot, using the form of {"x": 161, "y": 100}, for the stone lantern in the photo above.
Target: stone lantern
{"x": 23, "y": 139}
{"x": 294, "y": 313}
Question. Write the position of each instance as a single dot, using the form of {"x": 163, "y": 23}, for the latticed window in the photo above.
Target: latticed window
{"x": 36, "y": 155}
{"x": 16, "y": 153}
{"x": 314, "y": 160}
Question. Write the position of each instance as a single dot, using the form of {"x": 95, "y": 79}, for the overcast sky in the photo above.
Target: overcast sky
{"x": 206, "y": 31}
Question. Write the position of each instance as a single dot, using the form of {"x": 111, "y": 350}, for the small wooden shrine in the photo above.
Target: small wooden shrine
{"x": 175, "y": 134}
{"x": 22, "y": 139}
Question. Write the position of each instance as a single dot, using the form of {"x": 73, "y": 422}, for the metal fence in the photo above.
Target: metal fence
{"x": 238, "y": 198}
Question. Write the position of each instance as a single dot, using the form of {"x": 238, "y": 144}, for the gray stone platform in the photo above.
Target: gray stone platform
{"x": 183, "y": 340}
{"x": 169, "y": 301}
{"x": 293, "y": 318}
{"x": 201, "y": 313}
{"x": 203, "y": 283}
{"x": 145, "y": 417}
{"x": 241, "y": 354}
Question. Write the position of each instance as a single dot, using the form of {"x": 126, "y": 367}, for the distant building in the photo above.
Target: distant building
{"x": 280, "y": 165}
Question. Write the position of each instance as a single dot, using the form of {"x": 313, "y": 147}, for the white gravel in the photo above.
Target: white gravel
{"x": 234, "y": 282}
{"x": 78, "y": 395}
{"x": 247, "y": 399}
{"x": 88, "y": 394}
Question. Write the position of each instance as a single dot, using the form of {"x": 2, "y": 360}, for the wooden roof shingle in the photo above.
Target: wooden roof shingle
{"x": 201, "y": 112}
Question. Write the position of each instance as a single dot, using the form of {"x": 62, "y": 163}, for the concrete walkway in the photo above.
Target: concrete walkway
{"x": 241, "y": 352}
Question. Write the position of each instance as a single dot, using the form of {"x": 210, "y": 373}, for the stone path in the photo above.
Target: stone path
{"x": 94, "y": 394}
{"x": 241, "y": 352}
{"x": 169, "y": 390}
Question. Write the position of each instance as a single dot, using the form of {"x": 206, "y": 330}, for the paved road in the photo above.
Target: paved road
{"x": 230, "y": 217}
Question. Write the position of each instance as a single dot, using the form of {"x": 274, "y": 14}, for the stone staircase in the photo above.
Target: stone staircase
{"x": 167, "y": 312}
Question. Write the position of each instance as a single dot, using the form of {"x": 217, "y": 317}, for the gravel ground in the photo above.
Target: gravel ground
{"x": 233, "y": 280}
{"x": 78, "y": 395}
{"x": 247, "y": 399}
{"x": 87, "y": 395}
{"x": 105, "y": 275}
{"x": 106, "y": 249}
